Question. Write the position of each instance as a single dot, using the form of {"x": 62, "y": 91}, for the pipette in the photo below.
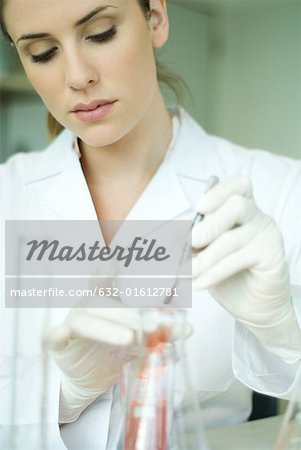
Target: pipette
{"x": 213, "y": 181}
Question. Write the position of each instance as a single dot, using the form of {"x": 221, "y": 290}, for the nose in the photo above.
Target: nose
{"x": 79, "y": 71}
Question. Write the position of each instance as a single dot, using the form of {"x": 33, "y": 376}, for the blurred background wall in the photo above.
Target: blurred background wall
{"x": 241, "y": 60}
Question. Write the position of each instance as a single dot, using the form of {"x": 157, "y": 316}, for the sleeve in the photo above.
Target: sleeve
{"x": 253, "y": 364}
{"x": 29, "y": 379}
{"x": 96, "y": 419}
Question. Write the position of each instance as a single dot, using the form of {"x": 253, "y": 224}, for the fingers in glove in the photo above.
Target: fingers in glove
{"x": 86, "y": 325}
{"x": 236, "y": 210}
{"x": 219, "y": 194}
{"x": 95, "y": 324}
{"x": 227, "y": 267}
{"x": 133, "y": 319}
{"x": 57, "y": 338}
{"x": 228, "y": 243}
{"x": 107, "y": 325}
{"x": 94, "y": 329}
{"x": 128, "y": 317}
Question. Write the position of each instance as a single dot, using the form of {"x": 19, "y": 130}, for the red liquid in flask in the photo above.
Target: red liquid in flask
{"x": 146, "y": 424}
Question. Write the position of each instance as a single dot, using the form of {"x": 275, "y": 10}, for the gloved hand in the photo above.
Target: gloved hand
{"x": 89, "y": 347}
{"x": 241, "y": 260}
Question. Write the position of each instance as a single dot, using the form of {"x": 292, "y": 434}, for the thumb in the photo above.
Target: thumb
{"x": 57, "y": 338}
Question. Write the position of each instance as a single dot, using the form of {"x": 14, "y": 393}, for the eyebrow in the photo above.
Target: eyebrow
{"x": 81, "y": 21}
{"x": 92, "y": 14}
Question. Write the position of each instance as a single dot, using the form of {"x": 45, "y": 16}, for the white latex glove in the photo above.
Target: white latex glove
{"x": 89, "y": 347}
{"x": 241, "y": 261}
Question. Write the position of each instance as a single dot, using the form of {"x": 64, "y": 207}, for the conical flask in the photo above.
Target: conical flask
{"x": 289, "y": 437}
{"x": 159, "y": 410}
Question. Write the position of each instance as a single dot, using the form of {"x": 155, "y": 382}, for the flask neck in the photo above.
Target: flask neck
{"x": 162, "y": 343}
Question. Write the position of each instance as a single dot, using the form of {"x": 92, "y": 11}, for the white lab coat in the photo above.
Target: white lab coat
{"x": 225, "y": 360}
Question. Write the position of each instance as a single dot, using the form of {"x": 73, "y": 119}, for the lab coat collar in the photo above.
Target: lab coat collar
{"x": 173, "y": 191}
{"x": 196, "y": 155}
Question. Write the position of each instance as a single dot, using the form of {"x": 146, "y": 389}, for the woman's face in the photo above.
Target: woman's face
{"x": 91, "y": 61}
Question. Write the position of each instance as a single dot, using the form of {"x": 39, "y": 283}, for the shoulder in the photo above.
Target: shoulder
{"x": 255, "y": 162}
{"x": 35, "y": 163}
{"x": 23, "y": 168}
{"x": 21, "y": 164}
{"x": 275, "y": 179}
{"x": 235, "y": 159}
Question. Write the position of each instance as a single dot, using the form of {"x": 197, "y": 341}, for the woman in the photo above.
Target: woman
{"x": 94, "y": 67}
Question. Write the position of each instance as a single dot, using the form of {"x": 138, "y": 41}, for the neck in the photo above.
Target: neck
{"x": 139, "y": 153}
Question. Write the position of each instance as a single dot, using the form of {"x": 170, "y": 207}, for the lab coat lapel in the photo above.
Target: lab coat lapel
{"x": 196, "y": 157}
{"x": 179, "y": 183}
{"x": 68, "y": 196}
{"x": 163, "y": 198}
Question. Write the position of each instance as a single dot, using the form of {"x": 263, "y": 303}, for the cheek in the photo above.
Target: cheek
{"x": 133, "y": 63}
{"x": 43, "y": 81}
{"x": 135, "y": 69}
{"x": 43, "y": 78}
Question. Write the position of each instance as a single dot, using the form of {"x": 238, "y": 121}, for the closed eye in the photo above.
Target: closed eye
{"x": 103, "y": 37}
{"x": 44, "y": 57}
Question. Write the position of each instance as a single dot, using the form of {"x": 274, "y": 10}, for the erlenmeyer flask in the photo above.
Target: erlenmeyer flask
{"x": 290, "y": 432}
{"x": 159, "y": 410}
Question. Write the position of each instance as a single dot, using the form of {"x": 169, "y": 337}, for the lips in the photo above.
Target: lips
{"x": 92, "y": 105}
{"x": 94, "y": 111}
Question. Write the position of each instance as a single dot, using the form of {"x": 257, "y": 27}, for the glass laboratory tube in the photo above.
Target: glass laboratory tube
{"x": 159, "y": 409}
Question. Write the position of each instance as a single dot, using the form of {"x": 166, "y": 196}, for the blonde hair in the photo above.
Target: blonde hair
{"x": 53, "y": 126}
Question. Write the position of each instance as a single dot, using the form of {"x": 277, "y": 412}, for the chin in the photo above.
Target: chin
{"x": 99, "y": 136}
